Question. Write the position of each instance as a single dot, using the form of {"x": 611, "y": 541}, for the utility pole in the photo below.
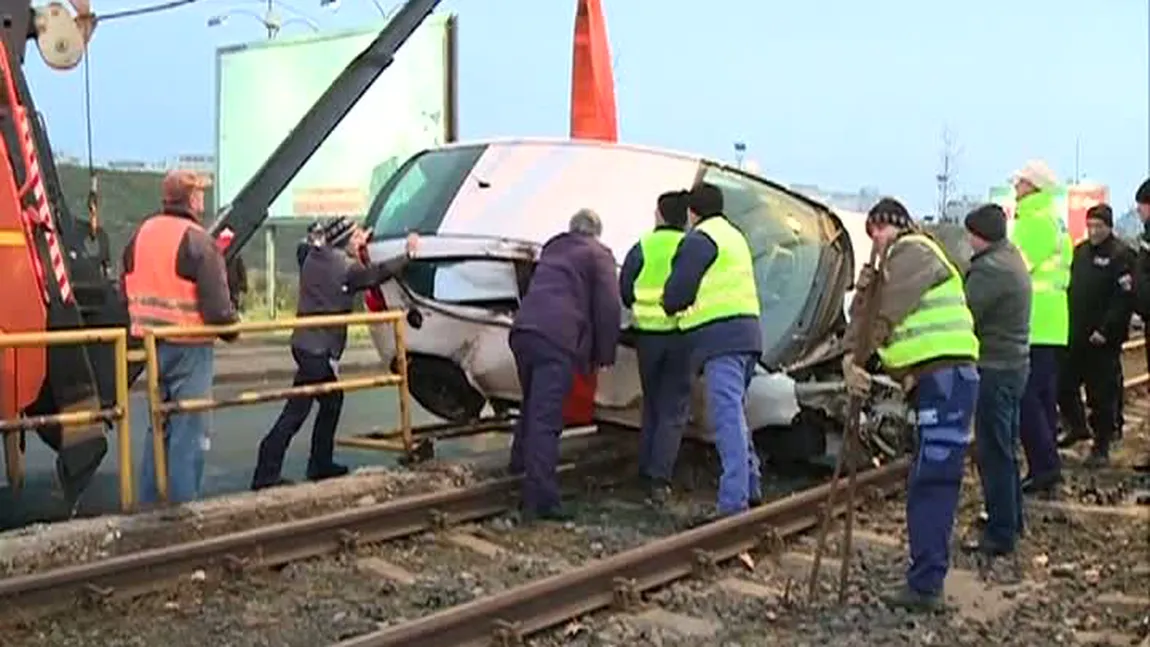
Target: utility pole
{"x": 740, "y": 154}
{"x": 945, "y": 176}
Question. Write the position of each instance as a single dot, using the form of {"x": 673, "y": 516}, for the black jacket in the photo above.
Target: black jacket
{"x": 1142, "y": 274}
{"x": 1101, "y": 295}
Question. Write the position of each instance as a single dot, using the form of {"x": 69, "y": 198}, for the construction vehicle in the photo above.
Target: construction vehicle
{"x": 56, "y": 281}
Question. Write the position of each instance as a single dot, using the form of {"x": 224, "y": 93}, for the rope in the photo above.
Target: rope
{"x": 93, "y": 186}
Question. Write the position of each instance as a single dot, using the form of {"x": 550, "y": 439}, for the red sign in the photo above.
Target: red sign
{"x": 1079, "y": 199}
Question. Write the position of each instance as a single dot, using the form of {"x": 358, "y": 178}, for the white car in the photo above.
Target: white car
{"x": 484, "y": 209}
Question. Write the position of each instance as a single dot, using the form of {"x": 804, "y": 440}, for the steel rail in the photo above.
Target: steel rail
{"x": 140, "y": 572}
{"x": 508, "y": 617}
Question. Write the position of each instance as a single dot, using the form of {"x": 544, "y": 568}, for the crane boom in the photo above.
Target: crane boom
{"x": 248, "y": 210}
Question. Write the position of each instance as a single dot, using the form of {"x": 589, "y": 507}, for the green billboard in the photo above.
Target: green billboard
{"x": 264, "y": 88}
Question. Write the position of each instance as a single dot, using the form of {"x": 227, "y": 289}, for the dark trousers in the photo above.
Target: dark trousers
{"x": 1039, "y": 419}
{"x": 546, "y": 373}
{"x": 1099, "y": 369}
{"x": 945, "y": 401}
{"x": 310, "y": 369}
{"x": 665, "y": 375}
{"x": 996, "y": 427}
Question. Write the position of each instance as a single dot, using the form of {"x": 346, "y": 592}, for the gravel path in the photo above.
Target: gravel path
{"x": 1082, "y": 577}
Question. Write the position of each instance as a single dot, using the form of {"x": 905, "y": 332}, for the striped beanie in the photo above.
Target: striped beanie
{"x": 338, "y": 231}
{"x": 889, "y": 211}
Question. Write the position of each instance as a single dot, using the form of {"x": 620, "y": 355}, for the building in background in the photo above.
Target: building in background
{"x": 861, "y": 200}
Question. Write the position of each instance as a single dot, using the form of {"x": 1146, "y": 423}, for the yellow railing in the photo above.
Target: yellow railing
{"x": 120, "y": 414}
{"x": 160, "y": 409}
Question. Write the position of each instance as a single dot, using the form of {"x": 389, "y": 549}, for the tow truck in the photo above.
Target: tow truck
{"x": 55, "y": 278}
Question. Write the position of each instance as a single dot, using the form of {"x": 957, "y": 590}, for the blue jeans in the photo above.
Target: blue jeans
{"x": 996, "y": 437}
{"x": 945, "y": 400}
{"x": 727, "y": 377}
{"x": 665, "y": 374}
{"x": 186, "y": 372}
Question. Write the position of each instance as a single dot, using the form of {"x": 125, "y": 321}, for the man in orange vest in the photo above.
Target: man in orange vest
{"x": 174, "y": 276}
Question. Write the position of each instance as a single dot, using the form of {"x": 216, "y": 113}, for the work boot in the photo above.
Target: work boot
{"x": 1042, "y": 483}
{"x": 907, "y": 598}
{"x": 1098, "y": 458}
{"x": 256, "y": 485}
{"x": 334, "y": 470}
{"x": 551, "y": 513}
{"x": 658, "y": 493}
{"x": 1073, "y": 437}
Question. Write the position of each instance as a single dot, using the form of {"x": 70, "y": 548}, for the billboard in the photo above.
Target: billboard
{"x": 1080, "y": 197}
{"x": 264, "y": 88}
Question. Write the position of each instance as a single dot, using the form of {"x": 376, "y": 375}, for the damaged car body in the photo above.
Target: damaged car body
{"x": 483, "y": 211}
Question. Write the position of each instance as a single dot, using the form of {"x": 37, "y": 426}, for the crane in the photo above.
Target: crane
{"x": 55, "y": 282}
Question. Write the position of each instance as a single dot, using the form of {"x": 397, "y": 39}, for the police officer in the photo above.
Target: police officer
{"x": 1101, "y": 301}
{"x": 925, "y": 338}
{"x": 1046, "y": 248}
{"x": 175, "y": 276}
{"x": 664, "y": 367}
{"x": 330, "y": 276}
{"x": 1142, "y": 278}
{"x": 712, "y": 290}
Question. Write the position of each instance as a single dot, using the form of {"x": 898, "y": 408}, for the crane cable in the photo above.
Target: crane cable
{"x": 93, "y": 182}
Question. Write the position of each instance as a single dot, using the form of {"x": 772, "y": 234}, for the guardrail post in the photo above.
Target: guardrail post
{"x": 124, "y": 424}
{"x": 156, "y": 415}
{"x": 399, "y": 329}
{"x": 13, "y": 452}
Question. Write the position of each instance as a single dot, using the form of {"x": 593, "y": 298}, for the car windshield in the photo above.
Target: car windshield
{"x": 785, "y": 235}
{"x": 417, "y": 196}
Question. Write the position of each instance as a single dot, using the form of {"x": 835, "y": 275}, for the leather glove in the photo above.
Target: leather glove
{"x": 866, "y": 276}
{"x": 856, "y": 378}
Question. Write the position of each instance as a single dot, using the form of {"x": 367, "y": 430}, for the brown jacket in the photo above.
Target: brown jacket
{"x": 910, "y": 270}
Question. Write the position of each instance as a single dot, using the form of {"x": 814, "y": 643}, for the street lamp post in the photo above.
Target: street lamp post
{"x": 269, "y": 19}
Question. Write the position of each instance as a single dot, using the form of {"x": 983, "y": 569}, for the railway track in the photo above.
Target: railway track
{"x": 530, "y": 602}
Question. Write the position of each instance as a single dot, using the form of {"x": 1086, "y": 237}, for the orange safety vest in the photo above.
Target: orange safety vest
{"x": 157, "y": 295}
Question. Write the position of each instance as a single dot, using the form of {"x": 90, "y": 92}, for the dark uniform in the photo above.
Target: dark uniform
{"x": 1142, "y": 279}
{"x": 329, "y": 280}
{"x": 1100, "y": 300}
{"x": 663, "y": 350}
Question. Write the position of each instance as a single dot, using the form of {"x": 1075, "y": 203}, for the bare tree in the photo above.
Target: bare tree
{"x": 948, "y": 158}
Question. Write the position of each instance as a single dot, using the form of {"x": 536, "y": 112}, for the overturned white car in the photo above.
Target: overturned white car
{"x": 483, "y": 210}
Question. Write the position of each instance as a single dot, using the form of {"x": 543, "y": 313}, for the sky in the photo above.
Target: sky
{"x": 839, "y": 93}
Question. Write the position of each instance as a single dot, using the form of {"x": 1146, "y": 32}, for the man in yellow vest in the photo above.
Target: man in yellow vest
{"x": 924, "y": 337}
{"x": 712, "y": 290}
{"x": 664, "y": 366}
{"x": 1040, "y": 235}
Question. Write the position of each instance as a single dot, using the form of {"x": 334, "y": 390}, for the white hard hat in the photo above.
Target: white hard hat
{"x": 1038, "y": 173}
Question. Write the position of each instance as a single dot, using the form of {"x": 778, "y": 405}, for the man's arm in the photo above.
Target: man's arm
{"x": 632, "y": 265}
{"x": 361, "y": 277}
{"x": 982, "y": 290}
{"x": 691, "y": 261}
{"x": 1037, "y": 239}
{"x": 606, "y": 310}
{"x": 1116, "y": 323}
{"x": 909, "y": 271}
{"x": 199, "y": 261}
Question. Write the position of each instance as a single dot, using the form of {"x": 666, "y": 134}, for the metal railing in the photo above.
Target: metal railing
{"x": 119, "y": 414}
{"x": 160, "y": 409}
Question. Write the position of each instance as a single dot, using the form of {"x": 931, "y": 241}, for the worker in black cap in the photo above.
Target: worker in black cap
{"x": 1101, "y": 300}
{"x": 330, "y": 275}
{"x": 1142, "y": 280}
{"x": 998, "y": 294}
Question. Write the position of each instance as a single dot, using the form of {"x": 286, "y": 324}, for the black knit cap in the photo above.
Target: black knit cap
{"x": 1142, "y": 196}
{"x": 889, "y": 211}
{"x": 988, "y": 222}
{"x": 1102, "y": 213}
{"x": 338, "y": 231}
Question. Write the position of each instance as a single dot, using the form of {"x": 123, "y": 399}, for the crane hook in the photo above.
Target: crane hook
{"x": 62, "y": 38}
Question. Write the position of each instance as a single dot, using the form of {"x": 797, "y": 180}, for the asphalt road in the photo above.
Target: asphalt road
{"x": 235, "y": 435}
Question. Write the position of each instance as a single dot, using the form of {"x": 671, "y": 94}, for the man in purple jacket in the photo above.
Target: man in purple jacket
{"x": 568, "y": 322}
